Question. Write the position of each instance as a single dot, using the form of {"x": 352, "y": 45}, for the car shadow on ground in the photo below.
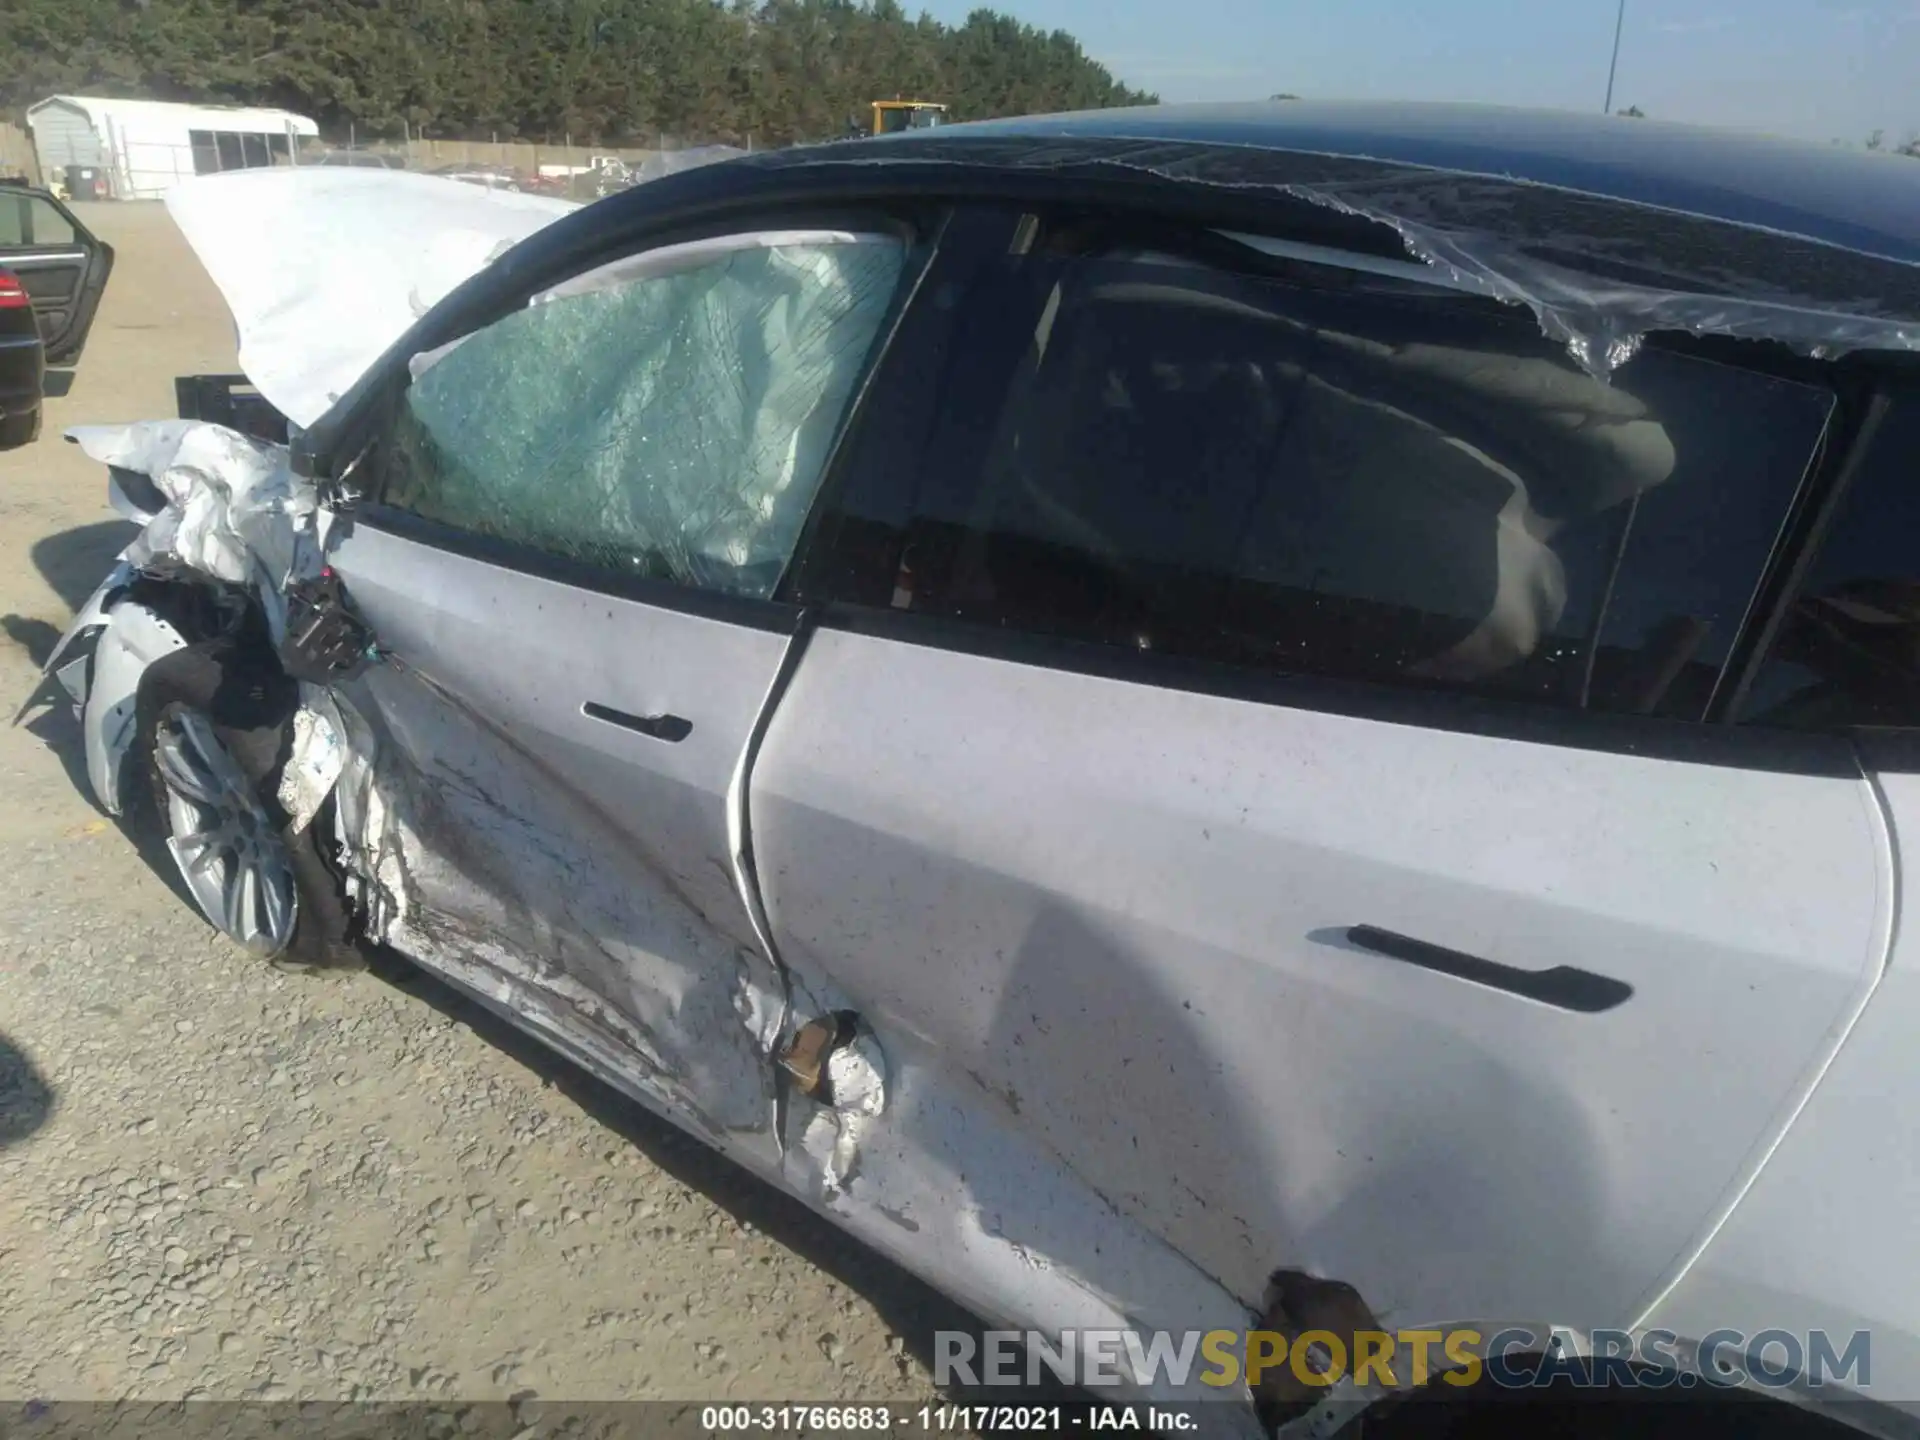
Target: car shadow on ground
{"x": 36, "y": 637}
{"x": 75, "y": 561}
{"x": 26, "y": 1099}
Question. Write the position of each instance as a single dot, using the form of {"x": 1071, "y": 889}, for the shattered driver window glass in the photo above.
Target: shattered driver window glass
{"x": 672, "y": 427}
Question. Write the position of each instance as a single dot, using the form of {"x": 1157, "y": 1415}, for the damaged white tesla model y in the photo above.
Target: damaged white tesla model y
{"x": 1127, "y": 704}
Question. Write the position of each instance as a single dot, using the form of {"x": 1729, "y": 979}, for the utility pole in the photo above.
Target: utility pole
{"x": 1619, "y": 20}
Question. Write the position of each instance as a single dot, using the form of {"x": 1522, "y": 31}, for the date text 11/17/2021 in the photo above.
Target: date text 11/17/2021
{"x": 945, "y": 1419}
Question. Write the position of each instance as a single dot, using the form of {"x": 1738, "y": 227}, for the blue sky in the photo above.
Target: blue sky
{"x": 1819, "y": 69}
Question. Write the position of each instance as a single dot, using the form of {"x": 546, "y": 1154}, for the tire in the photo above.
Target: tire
{"x": 19, "y": 430}
{"x": 211, "y": 732}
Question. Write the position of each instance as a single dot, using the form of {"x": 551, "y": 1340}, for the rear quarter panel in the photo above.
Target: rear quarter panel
{"x": 1827, "y": 1237}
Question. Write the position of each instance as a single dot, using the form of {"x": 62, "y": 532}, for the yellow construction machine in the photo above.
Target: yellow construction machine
{"x": 890, "y": 117}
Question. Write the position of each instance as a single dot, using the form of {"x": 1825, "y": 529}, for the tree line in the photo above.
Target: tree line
{"x": 611, "y": 71}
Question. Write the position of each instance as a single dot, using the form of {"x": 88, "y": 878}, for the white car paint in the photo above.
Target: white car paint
{"x": 1120, "y": 908}
{"x": 133, "y": 638}
{"x": 1825, "y": 1238}
{"x": 607, "y": 855}
{"x": 1130, "y": 1061}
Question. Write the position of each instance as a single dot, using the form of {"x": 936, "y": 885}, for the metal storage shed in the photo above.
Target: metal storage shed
{"x": 144, "y": 146}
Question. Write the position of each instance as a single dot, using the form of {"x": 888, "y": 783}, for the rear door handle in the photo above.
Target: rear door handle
{"x": 670, "y": 728}
{"x": 1566, "y": 987}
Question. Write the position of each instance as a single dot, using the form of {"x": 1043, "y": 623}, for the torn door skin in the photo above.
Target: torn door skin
{"x": 883, "y": 1137}
{"x": 240, "y": 530}
{"x": 1598, "y": 274}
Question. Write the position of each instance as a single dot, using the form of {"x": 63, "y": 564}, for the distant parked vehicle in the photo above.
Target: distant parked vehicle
{"x": 672, "y": 162}
{"x": 492, "y": 177}
{"x": 361, "y": 160}
{"x": 608, "y": 175}
{"x": 52, "y": 275}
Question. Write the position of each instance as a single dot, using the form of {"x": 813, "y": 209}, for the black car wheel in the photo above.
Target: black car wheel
{"x": 18, "y": 430}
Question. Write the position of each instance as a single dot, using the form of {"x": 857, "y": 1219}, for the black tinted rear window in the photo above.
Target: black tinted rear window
{"x": 1848, "y": 652}
{"x": 1371, "y": 481}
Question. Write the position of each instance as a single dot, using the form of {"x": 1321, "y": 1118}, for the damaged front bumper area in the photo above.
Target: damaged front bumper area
{"x": 869, "y": 1129}
{"x": 227, "y": 530}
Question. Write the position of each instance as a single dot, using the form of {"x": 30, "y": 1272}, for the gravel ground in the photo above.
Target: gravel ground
{"x": 220, "y": 1181}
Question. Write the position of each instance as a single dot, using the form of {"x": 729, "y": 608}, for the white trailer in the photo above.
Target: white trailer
{"x": 142, "y": 147}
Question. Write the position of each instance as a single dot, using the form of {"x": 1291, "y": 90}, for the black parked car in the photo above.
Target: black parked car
{"x": 52, "y": 275}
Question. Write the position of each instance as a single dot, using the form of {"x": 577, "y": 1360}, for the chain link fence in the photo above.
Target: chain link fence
{"x": 581, "y": 172}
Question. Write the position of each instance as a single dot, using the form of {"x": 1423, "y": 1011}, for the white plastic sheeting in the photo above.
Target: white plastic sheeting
{"x": 1602, "y": 321}
{"x": 1598, "y": 273}
{"x": 235, "y": 510}
{"x": 324, "y": 267}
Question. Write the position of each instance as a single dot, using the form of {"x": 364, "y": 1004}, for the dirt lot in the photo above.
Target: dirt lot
{"x": 220, "y": 1181}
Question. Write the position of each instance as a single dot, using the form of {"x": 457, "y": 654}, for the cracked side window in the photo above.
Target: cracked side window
{"x": 665, "y": 421}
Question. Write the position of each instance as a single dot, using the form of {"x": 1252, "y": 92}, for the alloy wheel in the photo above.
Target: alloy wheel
{"x": 219, "y": 833}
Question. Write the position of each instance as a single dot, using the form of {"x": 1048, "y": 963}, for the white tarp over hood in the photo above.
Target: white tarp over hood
{"x": 325, "y": 267}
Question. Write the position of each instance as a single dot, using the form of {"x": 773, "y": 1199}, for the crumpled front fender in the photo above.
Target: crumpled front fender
{"x": 66, "y": 664}
{"x": 135, "y": 636}
{"x": 98, "y": 663}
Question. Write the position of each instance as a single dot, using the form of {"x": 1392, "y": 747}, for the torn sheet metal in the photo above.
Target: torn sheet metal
{"x": 1528, "y": 246}
{"x": 837, "y": 1063}
{"x": 62, "y": 661}
{"x": 324, "y": 267}
{"x": 315, "y": 760}
{"x": 235, "y": 512}
{"x": 1598, "y": 272}
{"x": 135, "y": 639}
{"x": 805, "y": 1055}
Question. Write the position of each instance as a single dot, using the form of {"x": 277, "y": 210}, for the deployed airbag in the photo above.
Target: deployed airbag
{"x": 325, "y": 267}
